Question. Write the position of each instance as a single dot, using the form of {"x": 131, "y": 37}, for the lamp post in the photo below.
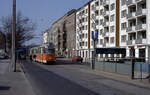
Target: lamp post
{"x": 13, "y": 55}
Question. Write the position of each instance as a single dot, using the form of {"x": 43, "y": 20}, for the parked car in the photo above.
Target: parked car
{"x": 2, "y": 56}
{"x": 77, "y": 58}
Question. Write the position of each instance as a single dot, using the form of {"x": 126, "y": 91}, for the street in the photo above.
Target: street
{"x": 45, "y": 82}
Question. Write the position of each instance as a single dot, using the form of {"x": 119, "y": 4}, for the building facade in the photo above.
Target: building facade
{"x": 119, "y": 23}
{"x": 100, "y": 16}
{"x": 63, "y": 31}
{"x": 45, "y": 37}
{"x": 83, "y": 31}
{"x": 134, "y": 30}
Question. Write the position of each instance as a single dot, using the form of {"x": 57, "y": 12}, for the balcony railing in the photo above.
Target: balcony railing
{"x": 131, "y": 2}
{"x": 105, "y": 23}
{"x": 105, "y": 13}
{"x": 105, "y": 2}
{"x": 104, "y": 44}
{"x": 129, "y": 42}
{"x": 141, "y": 27}
{"x": 131, "y": 29}
{"x": 105, "y": 33}
{"x": 130, "y": 15}
{"x": 141, "y": 12}
{"x": 139, "y": 0}
{"x": 140, "y": 41}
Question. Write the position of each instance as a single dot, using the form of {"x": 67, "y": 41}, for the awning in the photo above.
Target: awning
{"x": 110, "y": 51}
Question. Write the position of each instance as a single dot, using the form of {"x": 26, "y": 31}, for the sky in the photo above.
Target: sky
{"x": 42, "y": 12}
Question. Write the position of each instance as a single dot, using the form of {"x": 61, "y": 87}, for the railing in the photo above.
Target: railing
{"x": 130, "y": 2}
{"x": 105, "y": 2}
{"x": 141, "y": 12}
{"x": 140, "y": 26}
{"x": 130, "y": 29}
{"x": 129, "y": 42}
{"x": 140, "y": 41}
{"x": 105, "y": 23}
{"x": 130, "y": 15}
{"x": 105, "y": 13}
{"x": 139, "y": 0}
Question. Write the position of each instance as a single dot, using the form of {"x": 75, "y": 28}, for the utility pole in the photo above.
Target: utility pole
{"x": 13, "y": 55}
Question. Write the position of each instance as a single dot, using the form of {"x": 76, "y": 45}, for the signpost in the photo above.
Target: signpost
{"x": 94, "y": 38}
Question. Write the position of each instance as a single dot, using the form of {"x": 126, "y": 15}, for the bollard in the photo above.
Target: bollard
{"x": 132, "y": 72}
{"x": 141, "y": 71}
{"x": 149, "y": 72}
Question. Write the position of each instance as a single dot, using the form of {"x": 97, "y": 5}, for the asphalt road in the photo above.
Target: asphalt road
{"x": 45, "y": 82}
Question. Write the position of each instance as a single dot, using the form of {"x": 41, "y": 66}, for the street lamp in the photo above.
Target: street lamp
{"x": 13, "y": 55}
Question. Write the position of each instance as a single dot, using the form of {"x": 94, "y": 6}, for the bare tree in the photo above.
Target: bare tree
{"x": 24, "y": 29}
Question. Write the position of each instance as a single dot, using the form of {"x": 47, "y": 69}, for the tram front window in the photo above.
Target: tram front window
{"x": 51, "y": 51}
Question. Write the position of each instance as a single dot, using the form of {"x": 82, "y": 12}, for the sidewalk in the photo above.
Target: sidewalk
{"x": 13, "y": 83}
{"x": 101, "y": 82}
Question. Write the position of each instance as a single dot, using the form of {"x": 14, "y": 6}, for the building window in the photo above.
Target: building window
{"x": 112, "y": 29}
{"x": 93, "y": 7}
{"x": 101, "y": 2}
{"x": 112, "y": 17}
{"x": 123, "y": 13}
{"x": 123, "y": 2}
{"x": 101, "y": 31}
{"x": 97, "y": 22}
{"x": 112, "y": 40}
{"x": 86, "y": 11}
{"x": 112, "y": 7}
{"x": 97, "y": 3}
{"x": 86, "y": 35}
{"x": 86, "y": 19}
{"x": 96, "y": 13}
{"x": 101, "y": 22}
{"x": 123, "y": 38}
{"x": 101, "y": 41}
{"x": 101, "y": 11}
{"x": 123, "y": 26}
{"x": 86, "y": 43}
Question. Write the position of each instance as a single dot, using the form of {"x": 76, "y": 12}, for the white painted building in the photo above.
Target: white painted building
{"x": 83, "y": 31}
{"x": 135, "y": 27}
{"x": 120, "y": 23}
{"x": 103, "y": 19}
{"x": 45, "y": 37}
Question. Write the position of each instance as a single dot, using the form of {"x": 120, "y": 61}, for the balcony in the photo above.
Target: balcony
{"x": 139, "y": 0}
{"x": 105, "y": 13}
{"x": 131, "y": 29}
{"x": 105, "y": 34}
{"x": 131, "y": 2}
{"x": 104, "y": 44}
{"x": 140, "y": 27}
{"x": 141, "y": 12}
{"x": 140, "y": 41}
{"x": 105, "y": 23}
{"x": 131, "y": 15}
{"x": 105, "y": 2}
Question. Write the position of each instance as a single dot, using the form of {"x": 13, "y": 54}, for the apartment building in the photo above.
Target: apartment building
{"x": 104, "y": 19}
{"x": 45, "y": 37}
{"x": 63, "y": 31}
{"x": 83, "y": 31}
{"x": 135, "y": 27}
{"x": 100, "y": 16}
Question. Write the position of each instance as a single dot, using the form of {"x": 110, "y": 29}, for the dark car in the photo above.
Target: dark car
{"x": 77, "y": 58}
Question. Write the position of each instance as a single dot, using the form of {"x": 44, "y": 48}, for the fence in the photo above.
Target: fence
{"x": 134, "y": 69}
